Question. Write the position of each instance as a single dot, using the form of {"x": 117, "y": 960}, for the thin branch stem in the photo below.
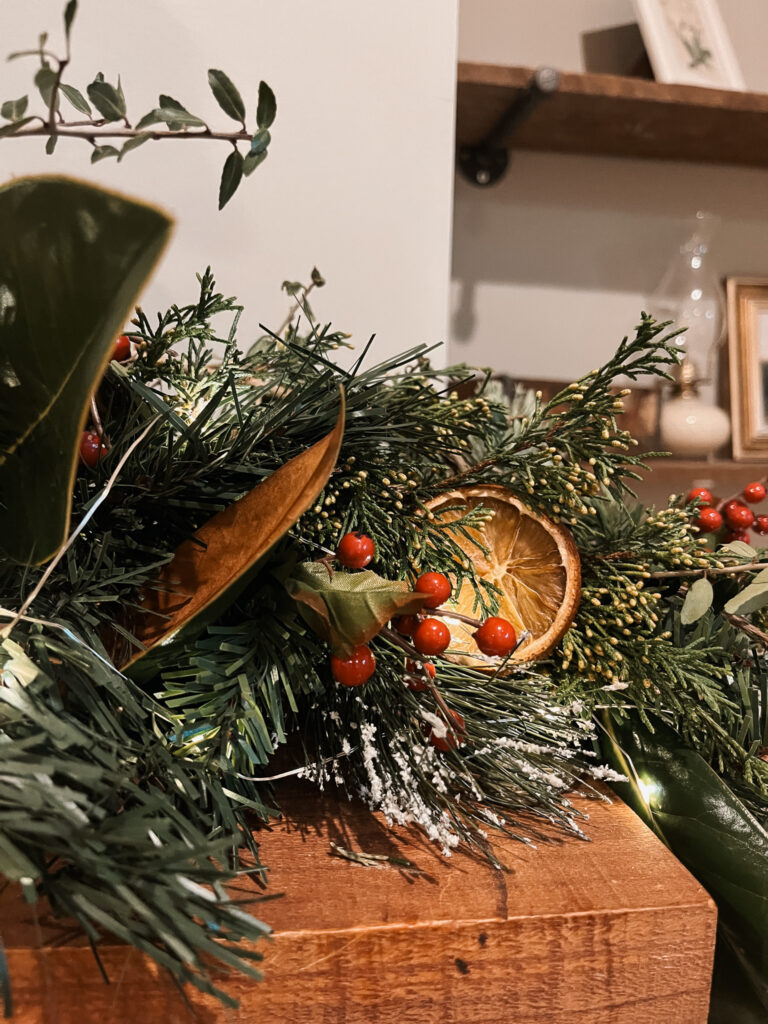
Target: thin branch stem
{"x": 746, "y": 627}
{"x": 724, "y": 570}
{"x": 448, "y": 613}
{"x": 53, "y": 128}
{"x": 77, "y": 130}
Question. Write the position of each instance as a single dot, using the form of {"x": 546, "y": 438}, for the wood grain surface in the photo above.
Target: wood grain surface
{"x": 612, "y": 931}
{"x": 617, "y": 116}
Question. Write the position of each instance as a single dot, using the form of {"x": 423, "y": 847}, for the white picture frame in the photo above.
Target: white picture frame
{"x": 688, "y": 43}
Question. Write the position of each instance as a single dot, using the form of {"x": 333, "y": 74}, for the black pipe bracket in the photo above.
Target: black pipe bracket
{"x": 485, "y": 163}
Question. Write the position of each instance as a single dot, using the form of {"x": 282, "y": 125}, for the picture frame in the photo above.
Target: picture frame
{"x": 747, "y": 299}
{"x": 688, "y": 44}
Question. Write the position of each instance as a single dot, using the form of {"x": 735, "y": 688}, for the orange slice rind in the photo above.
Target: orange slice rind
{"x": 532, "y": 560}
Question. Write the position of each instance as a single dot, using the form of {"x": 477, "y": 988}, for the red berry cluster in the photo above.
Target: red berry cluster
{"x": 429, "y": 635}
{"x": 93, "y": 447}
{"x": 712, "y": 514}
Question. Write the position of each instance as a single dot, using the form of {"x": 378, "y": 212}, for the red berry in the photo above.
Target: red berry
{"x": 431, "y": 636}
{"x": 761, "y": 525}
{"x": 355, "y": 550}
{"x": 753, "y": 493}
{"x": 453, "y": 736}
{"x": 92, "y": 448}
{"x": 122, "y": 348}
{"x": 704, "y": 496}
{"x": 708, "y": 520}
{"x": 738, "y": 516}
{"x": 406, "y": 624}
{"x": 436, "y": 585}
{"x": 416, "y": 675}
{"x": 356, "y": 669}
{"x": 496, "y": 637}
{"x": 741, "y": 535}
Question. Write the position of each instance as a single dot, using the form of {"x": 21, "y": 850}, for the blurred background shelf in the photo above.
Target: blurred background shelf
{"x": 617, "y": 116}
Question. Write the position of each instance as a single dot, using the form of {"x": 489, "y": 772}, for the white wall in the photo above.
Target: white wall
{"x": 359, "y": 176}
{"x": 552, "y": 266}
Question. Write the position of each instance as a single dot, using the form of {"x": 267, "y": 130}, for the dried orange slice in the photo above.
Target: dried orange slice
{"x": 533, "y": 561}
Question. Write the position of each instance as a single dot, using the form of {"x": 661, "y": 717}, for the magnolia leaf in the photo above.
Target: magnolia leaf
{"x": 705, "y": 825}
{"x": 697, "y": 602}
{"x": 12, "y": 110}
{"x": 76, "y": 98}
{"x": 209, "y": 570}
{"x": 349, "y": 608}
{"x": 267, "y": 106}
{"x": 108, "y": 100}
{"x": 231, "y": 176}
{"x": 73, "y": 259}
{"x": 227, "y": 96}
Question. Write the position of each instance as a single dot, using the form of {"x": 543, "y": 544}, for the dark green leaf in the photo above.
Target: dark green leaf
{"x": 155, "y": 116}
{"x": 317, "y": 278}
{"x": 267, "y": 108}
{"x": 76, "y": 98}
{"x": 12, "y": 110}
{"x": 251, "y": 162}
{"x": 69, "y": 16}
{"x": 349, "y": 608}
{"x": 103, "y": 153}
{"x": 702, "y": 821}
{"x": 51, "y": 144}
{"x": 260, "y": 141}
{"x": 45, "y": 79}
{"x": 227, "y": 96}
{"x": 230, "y": 177}
{"x": 134, "y": 143}
{"x": 15, "y": 126}
{"x": 697, "y": 602}
{"x": 109, "y": 245}
{"x": 106, "y": 99}
{"x": 291, "y": 287}
{"x": 177, "y": 116}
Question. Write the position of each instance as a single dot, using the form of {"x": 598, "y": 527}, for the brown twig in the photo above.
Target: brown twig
{"x": 746, "y": 627}
{"x": 447, "y": 613}
{"x": 723, "y": 570}
{"x": 65, "y": 131}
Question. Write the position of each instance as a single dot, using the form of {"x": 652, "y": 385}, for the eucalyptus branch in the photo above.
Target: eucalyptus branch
{"x": 110, "y": 104}
{"x": 721, "y": 570}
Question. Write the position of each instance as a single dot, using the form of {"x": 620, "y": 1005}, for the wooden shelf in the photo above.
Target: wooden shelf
{"x": 614, "y": 116}
{"x": 612, "y": 931}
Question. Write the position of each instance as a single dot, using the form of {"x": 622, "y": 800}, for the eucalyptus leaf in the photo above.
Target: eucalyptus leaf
{"x": 45, "y": 79}
{"x": 738, "y": 547}
{"x": 12, "y": 110}
{"x": 753, "y": 597}
{"x": 51, "y": 144}
{"x": 69, "y": 16}
{"x": 76, "y": 98}
{"x": 697, "y": 601}
{"x": 349, "y": 608}
{"x": 107, "y": 100}
{"x": 260, "y": 141}
{"x": 226, "y": 94}
{"x": 75, "y": 256}
{"x": 134, "y": 143}
{"x": 103, "y": 153}
{"x": 231, "y": 176}
{"x": 15, "y": 126}
{"x": 267, "y": 107}
{"x": 174, "y": 114}
{"x": 251, "y": 161}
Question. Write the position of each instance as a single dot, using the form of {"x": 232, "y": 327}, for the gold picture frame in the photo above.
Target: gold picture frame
{"x": 748, "y": 366}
